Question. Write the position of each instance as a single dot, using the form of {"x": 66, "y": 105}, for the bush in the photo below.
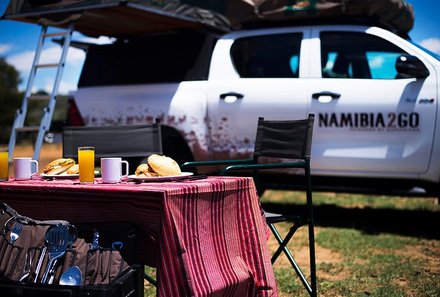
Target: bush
{"x": 10, "y": 98}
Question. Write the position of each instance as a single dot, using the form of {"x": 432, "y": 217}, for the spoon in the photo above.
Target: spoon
{"x": 71, "y": 277}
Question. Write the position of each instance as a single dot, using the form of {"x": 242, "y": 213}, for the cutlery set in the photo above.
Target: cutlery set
{"x": 37, "y": 259}
{"x": 50, "y": 252}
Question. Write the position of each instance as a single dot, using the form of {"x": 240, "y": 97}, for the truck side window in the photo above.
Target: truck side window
{"x": 267, "y": 56}
{"x": 366, "y": 57}
{"x": 156, "y": 58}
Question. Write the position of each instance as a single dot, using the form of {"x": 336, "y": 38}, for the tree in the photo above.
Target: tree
{"x": 10, "y": 98}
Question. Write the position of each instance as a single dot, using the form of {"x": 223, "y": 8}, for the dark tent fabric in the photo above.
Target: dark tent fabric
{"x": 395, "y": 15}
{"x": 130, "y": 18}
{"x": 117, "y": 17}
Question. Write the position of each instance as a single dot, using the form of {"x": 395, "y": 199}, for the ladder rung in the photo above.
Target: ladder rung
{"x": 39, "y": 97}
{"x": 55, "y": 34}
{"x": 28, "y": 129}
{"x": 47, "y": 65}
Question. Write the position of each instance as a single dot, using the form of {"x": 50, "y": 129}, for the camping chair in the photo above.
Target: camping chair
{"x": 284, "y": 140}
{"x": 131, "y": 142}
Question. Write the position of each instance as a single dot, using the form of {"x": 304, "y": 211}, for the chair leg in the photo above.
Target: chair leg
{"x": 150, "y": 279}
{"x": 311, "y": 227}
{"x": 283, "y": 242}
{"x": 310, "y": 287}
{"x": 313, "y": 292}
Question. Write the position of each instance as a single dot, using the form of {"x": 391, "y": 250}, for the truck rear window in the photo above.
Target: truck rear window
{"x": 154, "y": 59}
{"x": 367, "y": 57}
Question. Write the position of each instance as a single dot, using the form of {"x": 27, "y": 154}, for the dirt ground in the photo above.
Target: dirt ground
{"x": 48, "y": 153}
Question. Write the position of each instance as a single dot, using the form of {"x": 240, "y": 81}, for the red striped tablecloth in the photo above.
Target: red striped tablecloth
{"x": 206, "y": 237}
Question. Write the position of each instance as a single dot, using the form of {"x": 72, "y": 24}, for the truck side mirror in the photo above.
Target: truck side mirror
{"x": 410, "y": 66}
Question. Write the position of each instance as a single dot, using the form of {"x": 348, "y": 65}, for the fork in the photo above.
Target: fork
{"x": 27, "y": 266}
{"x": 56, "y": 238}
{"x": 15, "y": 233}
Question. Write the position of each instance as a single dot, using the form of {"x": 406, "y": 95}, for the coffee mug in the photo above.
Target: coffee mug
{"x": 23, "y": 168}
{"x": 111, "y": 170}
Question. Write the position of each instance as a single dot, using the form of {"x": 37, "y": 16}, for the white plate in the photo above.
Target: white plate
{"x": 161, "y": 178}
{"x": 63, "y": 175}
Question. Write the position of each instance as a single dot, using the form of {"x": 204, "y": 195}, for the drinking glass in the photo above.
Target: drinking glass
{"x": 86, "y": 161}
{"x": 4, "y": 164}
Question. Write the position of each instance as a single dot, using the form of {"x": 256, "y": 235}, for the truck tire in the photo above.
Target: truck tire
{"x": 175, "y": 146}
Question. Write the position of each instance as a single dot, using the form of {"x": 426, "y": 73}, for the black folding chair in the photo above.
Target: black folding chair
{"x": 290, "y": 140}
{"x": 131, "y": 142}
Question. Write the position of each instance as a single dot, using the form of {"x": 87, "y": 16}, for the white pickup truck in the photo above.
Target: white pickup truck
{"x": 375, "y": 96}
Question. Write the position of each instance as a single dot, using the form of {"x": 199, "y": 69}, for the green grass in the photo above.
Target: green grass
{"x": 354, "y": 200}
{"x": 149, "y": 289}
{"x": 353, "y": 260}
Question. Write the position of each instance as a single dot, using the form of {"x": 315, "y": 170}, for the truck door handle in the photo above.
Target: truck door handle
{"x": 325, "y": 96}
{"x": 231, "y": 94}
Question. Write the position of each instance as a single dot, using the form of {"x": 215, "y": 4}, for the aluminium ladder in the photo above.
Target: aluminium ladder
{"x": 46, "y": 119}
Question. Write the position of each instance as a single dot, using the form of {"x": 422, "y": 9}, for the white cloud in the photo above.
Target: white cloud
{"x": 23, "y": 63}
{"x": 47, "y": 85}
{"x": 433, "y": 44}
{"x": 99, "y": 40}
{"x": 4, "y": 48}
{"x": 377, "y": 62}
{"x": 53, "y": 54}
{"x": 65, "y": 87}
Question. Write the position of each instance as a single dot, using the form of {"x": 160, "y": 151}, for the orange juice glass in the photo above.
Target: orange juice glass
{"x": 86, "y": 161}
{"x": 4, "y": 164}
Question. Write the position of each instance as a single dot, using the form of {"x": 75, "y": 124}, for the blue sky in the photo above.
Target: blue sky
{"x": 18, "y": 42}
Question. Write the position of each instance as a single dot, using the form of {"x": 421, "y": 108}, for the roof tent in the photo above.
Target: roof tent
{"x": 136, "y": 17}
{"x": 394, "y": 15}
{"x": 116, "y": 17}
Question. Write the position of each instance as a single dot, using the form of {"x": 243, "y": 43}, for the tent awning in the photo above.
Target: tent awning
{"x": 119, "y": 18}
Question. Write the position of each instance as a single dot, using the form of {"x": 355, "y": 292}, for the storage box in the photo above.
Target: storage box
{"x": 129, "y": 283}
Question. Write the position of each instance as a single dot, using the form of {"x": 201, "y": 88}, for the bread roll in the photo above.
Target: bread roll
{"x": 158, "y": 166}
{"x": 163, "y": 165}
{"x": 74, "y": 169}
{"x": 58, "y": 166}
{"x": 144, "y": 170}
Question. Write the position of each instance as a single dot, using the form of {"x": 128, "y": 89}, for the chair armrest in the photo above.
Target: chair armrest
{"x": 215, "y": 163}
{"x": 298, "y": 164}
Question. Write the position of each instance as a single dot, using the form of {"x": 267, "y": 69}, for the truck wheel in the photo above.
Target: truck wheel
{"x": 175, "y": 146}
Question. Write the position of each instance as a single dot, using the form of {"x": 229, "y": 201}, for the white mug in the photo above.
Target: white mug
{"x": 23, "y": 168}
{"x": 111, "y": 170}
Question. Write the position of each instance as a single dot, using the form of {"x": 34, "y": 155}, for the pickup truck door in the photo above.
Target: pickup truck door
{"x": 253, "y": 74}
{"x": 369, "y": 121}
